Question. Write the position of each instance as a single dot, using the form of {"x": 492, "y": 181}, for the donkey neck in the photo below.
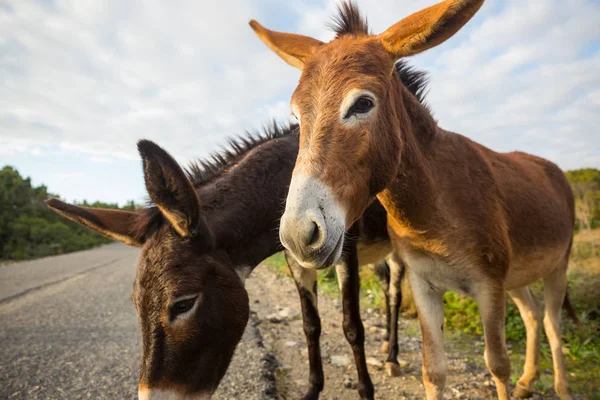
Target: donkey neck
{"x": 243, "y": 205}
{"x": 409, "y": 198}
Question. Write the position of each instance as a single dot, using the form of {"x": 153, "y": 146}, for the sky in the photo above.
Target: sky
{"x": 81, "y": 81}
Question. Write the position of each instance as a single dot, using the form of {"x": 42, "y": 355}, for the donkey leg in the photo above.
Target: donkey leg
{"x": 392, "y": 368}
{"x": 532, "y": 317}
{"x": 555, "y": 287}
{"x": 306, "y": 283}
{"x": 347, "y": 273}
{"x": 430, "y": 308}
{"x": 382, "y": 271}
{"x": 491, "y": 300}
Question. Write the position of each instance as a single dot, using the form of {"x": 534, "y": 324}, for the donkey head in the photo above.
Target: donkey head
{"x": 349, "y": 106}
{"x": 190, "y": 300}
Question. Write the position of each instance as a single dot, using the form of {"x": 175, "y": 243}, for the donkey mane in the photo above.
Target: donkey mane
{"x": 348, "y": 21}
{"x": 415, "y": 81}
{"x": 202, "y": 171}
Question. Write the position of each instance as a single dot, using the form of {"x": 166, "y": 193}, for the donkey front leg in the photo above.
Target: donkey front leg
{"x": 392, "y": 368}
{"x": 430, "y": 308}
{"x": 347, "y": 273}
{"x": 491, "y": 299}
{"x": 306, "y": 283}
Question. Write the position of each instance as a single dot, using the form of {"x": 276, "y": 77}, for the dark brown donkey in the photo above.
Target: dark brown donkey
{"x": 464, "y": 218}
{"x": 208, "y": 230}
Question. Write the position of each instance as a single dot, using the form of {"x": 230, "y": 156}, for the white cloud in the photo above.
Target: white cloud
{"x": 93, "y": 77}
{"x": 96, "y": 76}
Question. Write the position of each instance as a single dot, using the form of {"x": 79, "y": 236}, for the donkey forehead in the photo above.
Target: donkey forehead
{"x": 344, "y": 63}
{"x": 171, "y": 268}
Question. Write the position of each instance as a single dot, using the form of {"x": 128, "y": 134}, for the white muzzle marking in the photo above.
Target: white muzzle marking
{"x": 158, "y": 394}
{"x": 313, "y": 224}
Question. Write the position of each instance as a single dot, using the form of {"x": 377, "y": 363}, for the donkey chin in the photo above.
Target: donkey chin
{"x": 160, "y": 394}
{"x": 313, "y": 224}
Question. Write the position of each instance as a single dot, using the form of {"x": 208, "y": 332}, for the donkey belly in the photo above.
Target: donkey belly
{"x": 535, "y": 265}
{"x": 440, "y": 275}
{"x": 372, "y": 252}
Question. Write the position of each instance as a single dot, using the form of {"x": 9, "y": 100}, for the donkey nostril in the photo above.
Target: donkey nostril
{"x": 316, "y": 234}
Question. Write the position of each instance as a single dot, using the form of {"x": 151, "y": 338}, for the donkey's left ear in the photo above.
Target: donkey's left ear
{"x": 428, "y": 28}
{"x": 294, "y": 49}
{"x": 171, "y": 190}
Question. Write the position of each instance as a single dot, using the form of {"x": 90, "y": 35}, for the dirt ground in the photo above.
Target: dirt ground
{"x": 274, "y": 300}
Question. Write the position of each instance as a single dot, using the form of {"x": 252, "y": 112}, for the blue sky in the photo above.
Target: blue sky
{"x": 82, "y": 80}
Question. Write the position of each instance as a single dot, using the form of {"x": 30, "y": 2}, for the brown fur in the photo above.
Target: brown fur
{"x": 463, "y": 217}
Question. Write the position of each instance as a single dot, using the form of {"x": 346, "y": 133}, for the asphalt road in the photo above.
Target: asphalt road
{"x": 69, "y": 331}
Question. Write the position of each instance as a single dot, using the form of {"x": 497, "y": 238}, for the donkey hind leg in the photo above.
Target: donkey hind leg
{"x": 430, "y": 308}
{"x": 306, "y": 283}
{"x": 555, "y": 288}
{"x": 382, "y": 272}
{"x": 532, "y": 317}
{"x": 392, "y": 368}
{"x": 491, "y": 300}
{"x": 348, "y": 278}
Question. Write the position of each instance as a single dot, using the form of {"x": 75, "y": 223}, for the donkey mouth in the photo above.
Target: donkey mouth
{"x": 335, "y": 254}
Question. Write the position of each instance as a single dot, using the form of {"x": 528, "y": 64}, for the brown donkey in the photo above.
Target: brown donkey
{"x": 464, "y": 218}
{"x": 189, "y": 292}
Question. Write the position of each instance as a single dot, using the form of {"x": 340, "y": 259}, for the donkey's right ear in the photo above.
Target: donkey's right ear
{"x": 428, "y": 28}
{"x": 171, "y": 190}
{"x": 293, "y": 49}
{"x": 114, "y": 224}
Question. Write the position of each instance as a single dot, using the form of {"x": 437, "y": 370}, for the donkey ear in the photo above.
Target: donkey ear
{"x": 429, "y": 27}
{"x": 114, "y": 224}
{"x": 170, "y": 189}
{"x": 294, "y": 49}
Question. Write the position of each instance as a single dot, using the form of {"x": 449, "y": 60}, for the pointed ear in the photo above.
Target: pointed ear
{"x": 429, "y": 27}
{"x": 294, "y": 49}
{"x": 114, "y": 224}
{"x": 171, "y": 190}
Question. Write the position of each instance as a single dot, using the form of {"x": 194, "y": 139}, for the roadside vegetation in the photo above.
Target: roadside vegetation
{"x": 581, "y": 345}
{"x": 29, "y": 229}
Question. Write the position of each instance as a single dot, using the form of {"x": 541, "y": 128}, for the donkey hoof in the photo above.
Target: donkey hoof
{"x": 522, "y": 393}
{"x": 385, "y": 346}
{"x": 392, "y": 369}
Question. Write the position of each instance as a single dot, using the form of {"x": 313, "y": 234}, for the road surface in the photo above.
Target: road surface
{"x": 69, "y": 331}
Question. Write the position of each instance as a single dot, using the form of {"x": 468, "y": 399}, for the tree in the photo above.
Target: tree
{"x": 586, "y": 189}
{"x": 29, "y": 229}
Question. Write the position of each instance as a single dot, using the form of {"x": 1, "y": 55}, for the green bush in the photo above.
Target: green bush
{"x": 29, "y": 229}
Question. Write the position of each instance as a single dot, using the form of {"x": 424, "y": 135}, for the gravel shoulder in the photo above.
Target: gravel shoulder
{"x": 274, "y": 298}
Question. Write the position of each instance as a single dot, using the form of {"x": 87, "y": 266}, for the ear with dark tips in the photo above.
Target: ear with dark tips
{"x": 114, "y": 224}
{"x": 171, "y": 190}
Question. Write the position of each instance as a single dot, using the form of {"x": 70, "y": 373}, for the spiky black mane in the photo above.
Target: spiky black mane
{"x": 415, "y": 80}
{"x": 349, "y": 21}
{"x": 202, "y": 171}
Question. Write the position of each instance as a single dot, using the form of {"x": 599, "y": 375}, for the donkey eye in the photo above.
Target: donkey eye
{"x": 182, "y": 306}
{"x": 361, "y": 106}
